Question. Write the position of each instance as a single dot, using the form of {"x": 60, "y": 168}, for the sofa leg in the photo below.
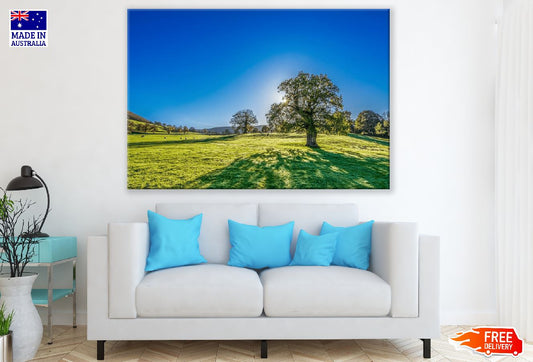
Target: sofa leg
{"x": 264, "y": 349}
{"x": 427, "y": 347}
{"x": 100, "y": 350}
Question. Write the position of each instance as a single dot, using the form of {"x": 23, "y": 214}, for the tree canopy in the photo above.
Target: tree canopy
{"x": 309, "y": 103}
{"x": 372, "y": 124}
{"x": 340, "y": 122}
{"x": 243, "y": 121}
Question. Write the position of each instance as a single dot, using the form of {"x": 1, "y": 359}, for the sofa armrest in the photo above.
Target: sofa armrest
{"x": 128, "y": 248}
{"x": 394, "y": 257}
{"x": 430, "y": 283}
{"x": 97, "y": 297}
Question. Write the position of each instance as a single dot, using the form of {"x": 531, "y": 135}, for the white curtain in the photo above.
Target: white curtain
{"x": 514, "y": 167}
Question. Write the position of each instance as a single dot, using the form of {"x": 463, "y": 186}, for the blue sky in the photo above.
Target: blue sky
{"x": 199, "y": 67}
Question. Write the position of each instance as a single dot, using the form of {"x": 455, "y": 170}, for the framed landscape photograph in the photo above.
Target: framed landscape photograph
{"x": 258, "y": 99}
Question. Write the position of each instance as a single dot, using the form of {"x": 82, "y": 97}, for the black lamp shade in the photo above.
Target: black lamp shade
{"x": 25, "y": 181}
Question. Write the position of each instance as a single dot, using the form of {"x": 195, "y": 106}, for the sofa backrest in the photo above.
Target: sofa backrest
{"x": 308, "y": 217}
{"x": 214, "y": 234}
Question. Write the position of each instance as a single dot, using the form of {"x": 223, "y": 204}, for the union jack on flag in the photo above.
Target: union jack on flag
{"x": 19, "y": 15}
{"x": 28, "y": 19}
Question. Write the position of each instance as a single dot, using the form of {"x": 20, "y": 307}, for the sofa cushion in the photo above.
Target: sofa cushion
{"x": 205, "y": 290}
{"x": 259, "y": 247}
{"x": 353, "y": 244}
{"x": 314, "y": 250}
{"x": 173, "y": 242}
{"x": 214, "y": 235}
{"x": 324, "y": 291}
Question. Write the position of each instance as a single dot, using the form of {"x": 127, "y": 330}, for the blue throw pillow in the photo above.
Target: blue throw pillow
{"x": 173, "y": 242}
{"x": 314, "y": 250}
{"x": 259, "y": 247}
{"x": 353, "y": 244}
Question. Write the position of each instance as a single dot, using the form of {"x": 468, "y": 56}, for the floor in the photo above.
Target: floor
{"x": 71, "y": 345}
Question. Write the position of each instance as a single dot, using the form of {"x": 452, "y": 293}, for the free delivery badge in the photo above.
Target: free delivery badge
{"x": 490, "y": 341}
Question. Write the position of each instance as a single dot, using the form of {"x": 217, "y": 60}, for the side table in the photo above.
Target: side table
{"x": 49, "y": 253}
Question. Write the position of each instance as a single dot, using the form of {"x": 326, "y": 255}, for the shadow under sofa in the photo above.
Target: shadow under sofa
{"x": 398, "y": 297}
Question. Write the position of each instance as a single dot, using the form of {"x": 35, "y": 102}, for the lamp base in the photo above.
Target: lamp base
{"x": 36, "y": 235}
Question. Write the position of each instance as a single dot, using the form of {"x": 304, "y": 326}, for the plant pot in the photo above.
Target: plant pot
{"x": 6, "y": 347}
{"x": 26, "y": 327}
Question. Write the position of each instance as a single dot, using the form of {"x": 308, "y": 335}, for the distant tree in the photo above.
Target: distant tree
{"x": 192, "y": 129}
{"x": 309, "y": 101}
{"x": 366, "y": 123}
{"x": 185, "y": 129}
{"x": 340, "y": 122}
{"x": 386, "y": 123}
{"x": 243, "y": 121}
{"x": 179, "y": 129}
{"x": 379, "y": 130}
{"x": 226, "y": 131}
{"x": 152, "y": 128}
{"x": 265, "y": 129}
{"x": 131, "y": 127}
{"x": 168, "y": 129}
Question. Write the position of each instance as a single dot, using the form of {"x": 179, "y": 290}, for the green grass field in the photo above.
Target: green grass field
{"x": 256, "y": 161}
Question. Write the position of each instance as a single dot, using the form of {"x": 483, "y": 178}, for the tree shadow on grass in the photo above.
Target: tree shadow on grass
{"x": 170, "y": 142}
{"x": 381, "y": 141}
{"x": 299, "y": 169}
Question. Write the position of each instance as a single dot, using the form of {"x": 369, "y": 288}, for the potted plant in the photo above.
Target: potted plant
{"x": 6, "y": 336}
{"x": 17, "y": 243}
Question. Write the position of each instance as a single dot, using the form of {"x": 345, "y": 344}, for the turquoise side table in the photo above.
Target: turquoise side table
{"x": 50, "y": 252}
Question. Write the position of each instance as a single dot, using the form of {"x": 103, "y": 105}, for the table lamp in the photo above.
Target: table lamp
{"x": 27, "y": 180}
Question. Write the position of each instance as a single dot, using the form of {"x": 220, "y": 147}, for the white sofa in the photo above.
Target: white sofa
{"x": 398, "y": 297}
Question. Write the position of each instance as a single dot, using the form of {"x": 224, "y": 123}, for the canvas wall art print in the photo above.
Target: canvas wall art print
{"x": 258, "y": 99}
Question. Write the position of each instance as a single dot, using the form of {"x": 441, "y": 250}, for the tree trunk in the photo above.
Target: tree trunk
{"x": 311, "y": 139}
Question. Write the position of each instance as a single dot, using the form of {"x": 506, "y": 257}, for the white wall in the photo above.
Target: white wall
{"x": 62, "y": 111}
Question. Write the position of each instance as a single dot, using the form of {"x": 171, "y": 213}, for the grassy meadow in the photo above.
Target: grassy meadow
{"x": 256, "y": 161}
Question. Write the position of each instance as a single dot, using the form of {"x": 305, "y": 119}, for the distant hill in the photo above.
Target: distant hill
{"x": 229, "y": 129}
{"x": 136, "y": 117}
{"x": 221, "y": 130}
{"x": 137, "y": 124}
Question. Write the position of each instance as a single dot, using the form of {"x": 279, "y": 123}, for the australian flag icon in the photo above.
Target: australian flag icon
{"x": 28, "y": 19}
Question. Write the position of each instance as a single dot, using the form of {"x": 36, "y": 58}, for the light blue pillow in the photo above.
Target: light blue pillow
{"x": 173, "y": 242}
{"x": 314, "y": 250}
{"x": 353, "y": 244}
{"x": 259, "y": 247}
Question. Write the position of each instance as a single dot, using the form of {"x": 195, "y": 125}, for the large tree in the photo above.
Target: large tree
{"x": 309, "y": 102}
{"x": 243, "y": 121}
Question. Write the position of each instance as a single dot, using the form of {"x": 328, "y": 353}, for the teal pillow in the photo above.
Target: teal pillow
{"x": 259, "y": 247}
{"x": 173, "y": 242}
{"x": 314, "y": 250}
{"x": 353, "y": 244}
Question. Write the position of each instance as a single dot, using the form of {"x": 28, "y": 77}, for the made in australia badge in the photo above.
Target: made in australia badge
{"x": 28, "y": 28}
